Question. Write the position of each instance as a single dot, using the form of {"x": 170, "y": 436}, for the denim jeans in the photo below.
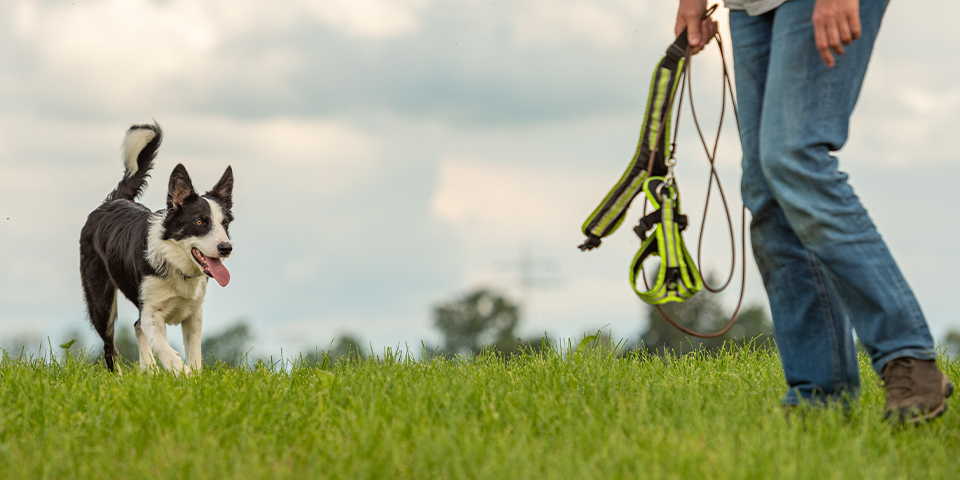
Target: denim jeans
{"x": 825, "y": 267}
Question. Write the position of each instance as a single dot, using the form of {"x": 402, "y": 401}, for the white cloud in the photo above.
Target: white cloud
{"x": 311, "y": 143}
{"x": 368, "y": 18}
{"x": 121, "y": 55}
{"x": 480, "y": 198}
{"x": 328, "y": 153}
{"x": 551, "y": 22}
{"x": 929, "y": 103}
{"x": 904, "y": 118}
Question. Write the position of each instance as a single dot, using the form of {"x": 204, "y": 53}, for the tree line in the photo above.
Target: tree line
{"x": 484, "y": 320}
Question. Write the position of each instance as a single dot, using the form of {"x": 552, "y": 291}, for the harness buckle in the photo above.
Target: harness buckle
{"x": 671, "y": 188}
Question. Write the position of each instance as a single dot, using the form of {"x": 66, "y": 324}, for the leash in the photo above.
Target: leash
{"x": 678, "y": 277}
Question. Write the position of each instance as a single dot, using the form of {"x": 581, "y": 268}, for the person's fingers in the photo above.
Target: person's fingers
{"x": 835, "y": 23}
{"x": 833, "y": 38}
{"x": 835, "y": 43}
{"x": 680, "y": 26}
{"x": 708, "y": 29}
{"x": 846, "y": 36}
{"x": 704, "y": 34}
{"x": 693, "y": 33}
{"x": 854, "y": 22}
{"x": 823, "y": 45}
{"x": 711, "y": 29}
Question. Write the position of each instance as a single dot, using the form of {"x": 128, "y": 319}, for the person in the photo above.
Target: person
{"x": 799, "y": 68}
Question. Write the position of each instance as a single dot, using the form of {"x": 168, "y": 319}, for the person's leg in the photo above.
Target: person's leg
{"x": 813, "y": 335}
{"x": 805, "y": 117}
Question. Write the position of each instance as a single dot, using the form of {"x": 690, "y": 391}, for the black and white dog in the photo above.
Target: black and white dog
{"x": 159, "y": 260}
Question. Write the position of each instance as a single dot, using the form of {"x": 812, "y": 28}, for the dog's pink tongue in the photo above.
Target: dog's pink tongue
{"x": 219, "y": 272}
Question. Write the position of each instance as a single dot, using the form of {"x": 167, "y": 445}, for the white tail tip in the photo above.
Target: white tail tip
{"x": 133, "y": 143}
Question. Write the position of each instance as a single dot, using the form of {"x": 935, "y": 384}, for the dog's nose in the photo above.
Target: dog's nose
{"x": 224, "y": 249}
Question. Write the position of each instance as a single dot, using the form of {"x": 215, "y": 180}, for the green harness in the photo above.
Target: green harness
{"x": 651, "y": 171}
{"x": 677, "y": 278}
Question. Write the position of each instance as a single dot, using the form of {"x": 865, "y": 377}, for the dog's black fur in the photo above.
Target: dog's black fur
{"x": 116, "y": 250}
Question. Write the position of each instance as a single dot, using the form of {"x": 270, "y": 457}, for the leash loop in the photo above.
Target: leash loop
{"x": 727, "y": 86}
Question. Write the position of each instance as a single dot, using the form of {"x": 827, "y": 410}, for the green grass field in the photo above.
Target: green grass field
{"x": 579, "y": 415}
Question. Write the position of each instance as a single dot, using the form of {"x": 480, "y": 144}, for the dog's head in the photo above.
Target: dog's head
{"x": 197, "y": 227}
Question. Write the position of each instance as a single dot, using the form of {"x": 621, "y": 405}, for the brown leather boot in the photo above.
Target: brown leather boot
{"x": 916, "y": 390}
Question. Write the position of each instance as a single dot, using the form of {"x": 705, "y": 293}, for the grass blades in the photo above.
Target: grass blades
{"x": 583, "y": 413}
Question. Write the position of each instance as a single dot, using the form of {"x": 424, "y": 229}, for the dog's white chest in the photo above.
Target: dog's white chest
{"x": 175, "y": 299}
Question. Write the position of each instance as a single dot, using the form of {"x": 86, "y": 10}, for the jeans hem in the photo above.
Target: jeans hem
{"x": 844, "y": 397}
{"x": 790, "y": 400}
{"x": 918, "y": 353}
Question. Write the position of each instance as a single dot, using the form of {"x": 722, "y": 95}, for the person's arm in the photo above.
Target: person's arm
{"x": 835, "y": 23}
{"x": 699, "y": 30}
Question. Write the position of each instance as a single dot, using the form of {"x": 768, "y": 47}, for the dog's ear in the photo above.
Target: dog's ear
{"x": 222, "y": 192}
{"x": 180, "y": 188}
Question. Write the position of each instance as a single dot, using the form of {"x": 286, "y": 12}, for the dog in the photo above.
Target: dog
{"x": 159, "y": 260}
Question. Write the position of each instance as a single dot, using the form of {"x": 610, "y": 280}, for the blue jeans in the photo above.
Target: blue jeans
{"x": 825, "y": 267}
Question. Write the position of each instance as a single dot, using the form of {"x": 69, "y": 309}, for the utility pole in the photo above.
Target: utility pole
{"x": 533, "y": 273}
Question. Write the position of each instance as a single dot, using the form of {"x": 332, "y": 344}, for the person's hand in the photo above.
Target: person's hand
{"x": 835, "y": 23}
{"x": 699, "y": 30}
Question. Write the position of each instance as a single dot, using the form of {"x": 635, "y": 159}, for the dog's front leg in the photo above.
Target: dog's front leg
{"x": 147, "y": 361}
{"x": 155, "y": 330}
{"x": 191, "y": 341}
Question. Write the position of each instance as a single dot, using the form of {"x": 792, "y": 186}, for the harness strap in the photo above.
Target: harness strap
{"x": 652, "y": 148}
{"x": 652, "y": 219}
{"x": 677, "y": 278}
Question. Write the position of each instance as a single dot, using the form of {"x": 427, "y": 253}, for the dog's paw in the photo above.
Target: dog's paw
{"x": 172, "y": 362}
{"x": 178, "y": 367}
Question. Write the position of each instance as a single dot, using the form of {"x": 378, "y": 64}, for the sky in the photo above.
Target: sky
{"x": 391, "y": 155}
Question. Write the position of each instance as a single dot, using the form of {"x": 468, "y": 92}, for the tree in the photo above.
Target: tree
{"x": 481, "y": 318}
{"x": 702, "y": 313}
{"x": 124, "y": 340}
{"x": 348, "y": 347}
{"x": 126, "y": 343}
{"x": 229, "y": 346}
{"x": 953, "y": 342}
{"x": 534, "y": 345}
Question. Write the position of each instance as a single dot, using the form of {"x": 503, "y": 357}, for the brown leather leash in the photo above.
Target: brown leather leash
{"x": 711, "y": 153}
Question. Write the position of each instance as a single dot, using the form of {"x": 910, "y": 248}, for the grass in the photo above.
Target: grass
{"x": 586, "y": 414}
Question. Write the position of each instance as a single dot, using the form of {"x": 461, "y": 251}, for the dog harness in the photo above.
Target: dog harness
{"x": 677, "y": 278}
{"x": 651, "y": 171}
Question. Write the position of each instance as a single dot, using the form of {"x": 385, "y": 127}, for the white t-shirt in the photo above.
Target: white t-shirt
{"x": 754, "y": 7}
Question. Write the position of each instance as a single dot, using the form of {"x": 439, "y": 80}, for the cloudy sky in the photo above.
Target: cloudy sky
{"x": 392, "y": 154}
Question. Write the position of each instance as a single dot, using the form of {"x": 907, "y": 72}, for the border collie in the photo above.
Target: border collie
{"x": 159, "y": 260}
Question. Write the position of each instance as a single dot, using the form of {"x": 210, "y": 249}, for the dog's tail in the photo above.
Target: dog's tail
{"x": 139, "y": 148}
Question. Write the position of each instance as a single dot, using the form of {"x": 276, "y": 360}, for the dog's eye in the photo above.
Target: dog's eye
{"x": 198, "y": 221}
{"x": 225, "y": 223}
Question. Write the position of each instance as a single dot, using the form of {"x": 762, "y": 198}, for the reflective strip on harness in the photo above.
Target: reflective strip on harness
{"x": 677, "y": 278}
{"x": 656, "y": 124}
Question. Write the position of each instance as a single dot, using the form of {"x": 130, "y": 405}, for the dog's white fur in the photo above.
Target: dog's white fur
{"x": 176, "y": 297}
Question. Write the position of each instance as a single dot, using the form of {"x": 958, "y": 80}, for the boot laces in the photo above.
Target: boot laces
{"x": 898, "y": 376}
